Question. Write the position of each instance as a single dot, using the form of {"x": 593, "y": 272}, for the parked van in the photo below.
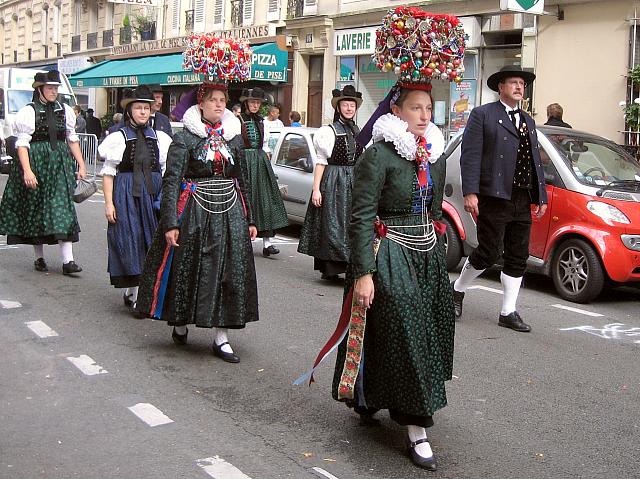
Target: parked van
{"x": 16, "y": 92}
{"x": 590, "y": 234}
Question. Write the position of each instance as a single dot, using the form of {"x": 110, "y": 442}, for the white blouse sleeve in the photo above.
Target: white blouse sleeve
{"x": 24, "y": 125}
{"x": 111, "y": 150}
{"x": 324, "y": 140}
{"x": 70, "y": 117}
{"x": 164, "y": 141}
{"x": 435, "y": 137}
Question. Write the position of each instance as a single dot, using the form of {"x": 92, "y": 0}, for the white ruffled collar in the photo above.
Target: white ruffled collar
{"x": 391, "y": 128}
{"x": 192, "y": 121}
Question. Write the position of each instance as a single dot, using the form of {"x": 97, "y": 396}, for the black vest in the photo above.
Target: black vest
{"x": 130, "y": 137}
{"x": 524, "y": 158}
{"x": 41, "y": 132}
{"x": 345, "y": 149}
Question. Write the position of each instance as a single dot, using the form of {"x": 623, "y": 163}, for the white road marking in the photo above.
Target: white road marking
{"x": 87, "y": 365}
{"x": 218, "y": 468}
{"x": 609, "y": 331}
{"x": 323, "y": 473}
{"x": 150, "y": 414}
{"x": 485, "y": 288}
{"x": 9, "y": 304}
{"x": 95, "y": 201}
{"x": 41, "y": 329}
{"x": 8, "y": 247}
{"x": 577, "y": 310}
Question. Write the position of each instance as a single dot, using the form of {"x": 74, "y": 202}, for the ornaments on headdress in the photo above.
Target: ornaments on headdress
{"x": 419, "y": 46}
{"x": 220, "y": 60}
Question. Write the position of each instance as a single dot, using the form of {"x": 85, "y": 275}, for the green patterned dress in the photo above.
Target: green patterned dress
{"x": 47, "y": 214}
{"x": 409, "y": 335}
{"x": 268, "y": 208}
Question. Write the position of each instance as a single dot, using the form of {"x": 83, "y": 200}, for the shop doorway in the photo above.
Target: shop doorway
{"x": 314, "y": 99}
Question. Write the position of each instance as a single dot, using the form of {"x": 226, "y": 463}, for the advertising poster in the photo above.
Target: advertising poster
{"x": 463, "y": 98}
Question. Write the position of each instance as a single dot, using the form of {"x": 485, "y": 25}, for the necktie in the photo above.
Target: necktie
{"x": 51, "y": 123}
{"x": 513, "y": 114}
{"x": 142, "y": 165}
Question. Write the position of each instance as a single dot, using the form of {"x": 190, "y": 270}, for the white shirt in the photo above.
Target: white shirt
{"x": 25, "y": 125}
{"x": 517, "y": 115}
{"x": 112, "y": 149}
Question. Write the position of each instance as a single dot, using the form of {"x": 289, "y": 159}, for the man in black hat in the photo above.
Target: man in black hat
{"x": 94, "y": 127}
{"x": 502, "y": 177}
{"x": 159, "y": 121}
{"x": 324, "y": 233}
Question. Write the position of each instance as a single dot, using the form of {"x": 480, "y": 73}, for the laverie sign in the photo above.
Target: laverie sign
{"x": 526, "y": 6}
{"x": 354, "y": 41}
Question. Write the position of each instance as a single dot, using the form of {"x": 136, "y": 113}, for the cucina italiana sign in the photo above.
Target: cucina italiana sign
{"x": 354, "y": 41}
{"x": 527, "y": 6}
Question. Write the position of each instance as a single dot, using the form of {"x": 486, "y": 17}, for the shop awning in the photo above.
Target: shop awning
{"x": 269, "y": 64}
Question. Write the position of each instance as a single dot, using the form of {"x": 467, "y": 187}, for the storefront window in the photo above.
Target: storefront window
{"x": 347, "y": 69}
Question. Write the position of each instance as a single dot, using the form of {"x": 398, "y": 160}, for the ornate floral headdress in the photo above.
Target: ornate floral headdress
{"x": 220, "y": 60}
{"x": 419, "y": 47}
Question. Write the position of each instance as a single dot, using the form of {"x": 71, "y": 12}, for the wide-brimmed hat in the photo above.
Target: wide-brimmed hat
{"x": 509, "y": 71}
{"x": 347, "y": 93}
{"x": 155, "y": 87}
{"x": 256, "y": 93}
{"x": 46, "y": 78}
{"x": 141, "y": 93}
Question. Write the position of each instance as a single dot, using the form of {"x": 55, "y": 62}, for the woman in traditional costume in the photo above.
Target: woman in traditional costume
{"x": 324, "y": 233}
{"x": 264, "y": 195}
{"x": 134, "y": 159}
{"x": 37, "y": 206}
{"x": 398, "y": 283}
{"x": 200, "y": 267}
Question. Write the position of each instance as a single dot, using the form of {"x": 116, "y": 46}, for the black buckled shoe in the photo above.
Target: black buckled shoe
{"x": 137, "y": 314}
{"x": 458, "y": 297}
{"x": 514, "y": 321}
{"x": 40, "y": 265}
{"x": 428, "y": 463}
{"x": 179, "y": 339}
{"x": 71, "y": 268}
{"x": 228, "y": 357}
{"x": 266, "y": 252}
{"x": 126, "y": 298}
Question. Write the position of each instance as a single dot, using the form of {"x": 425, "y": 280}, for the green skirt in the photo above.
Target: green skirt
{"x": 47, "y": 214}
{"x": 409, "y": 335}
{"x": 266, "y": 203}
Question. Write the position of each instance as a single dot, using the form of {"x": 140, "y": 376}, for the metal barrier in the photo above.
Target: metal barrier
{"x": 89, "y": 149}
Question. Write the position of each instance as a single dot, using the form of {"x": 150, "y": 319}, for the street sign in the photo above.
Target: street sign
{"x": 526, "y": 6}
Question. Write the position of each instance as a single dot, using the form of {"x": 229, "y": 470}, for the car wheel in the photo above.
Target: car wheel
{"x": 577, "y": 272}
{"x": 452, "y": 244}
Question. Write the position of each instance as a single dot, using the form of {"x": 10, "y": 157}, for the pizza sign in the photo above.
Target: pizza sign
{"x": 526, "y": 6}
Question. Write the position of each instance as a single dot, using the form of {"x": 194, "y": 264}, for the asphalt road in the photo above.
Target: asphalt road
{"x": 560, "y": 402}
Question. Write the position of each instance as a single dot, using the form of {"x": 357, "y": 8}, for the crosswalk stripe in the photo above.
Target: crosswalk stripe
{"x": 87, "y": 365}
{"x": 150, "y": 414}
{"x": 218, "y": 468}
{"x": 41, "y": 329}
{"x": 323, "y": 473}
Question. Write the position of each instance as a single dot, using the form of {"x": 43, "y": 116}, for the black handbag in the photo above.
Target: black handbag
{"x": 84, "y": 189}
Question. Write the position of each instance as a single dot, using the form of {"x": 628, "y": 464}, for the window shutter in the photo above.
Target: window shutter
{"x": 273, "y": 11}
{"x": 247, "y": 13}
{"x": 310, "y": 7}
{"x": 198, "y": 15}
{"x": 175, "y": 17}
{"x": 218, "y": 15}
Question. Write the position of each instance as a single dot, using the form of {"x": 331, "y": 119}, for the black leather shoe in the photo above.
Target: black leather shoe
{"x": 228, "y": 357}
{"x": 458, "y": 297}
{"x": 428, "y": 463}
{"x": 180, "y": 339}
{"x": 266, "y": 252}
{"x": 366, "y": 415}
{"x": 40, "y": 265}
{"x": 71, "y": 268}
{"x": 127, "y": 300}
{"x": 137, "y": 314}
{"x": 514, "y": 321}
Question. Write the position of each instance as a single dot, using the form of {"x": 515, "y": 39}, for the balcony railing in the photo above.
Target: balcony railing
{"x": 75, "y": 43}
{"x": 189, "y": 21}
{"x": 236, "y": 13}
{"x": 92, "y": 40}
{"x": 149, "y": 32}
{"x": 295, "y": 8}
{"x": 125, "y": 35}
{"x": 107, "y": 38}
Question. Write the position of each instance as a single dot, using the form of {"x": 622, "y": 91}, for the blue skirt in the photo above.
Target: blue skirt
{"x": 129, "y": 238}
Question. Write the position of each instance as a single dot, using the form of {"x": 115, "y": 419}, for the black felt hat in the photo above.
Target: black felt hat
{"x": 509, "y": 71}
{"x": 46, "y": 78}
{"x": 155, "y": 87}
{"x": 141, "y": 93}
{"x": 347, "y": 93}
{"x": 256, "y": 93}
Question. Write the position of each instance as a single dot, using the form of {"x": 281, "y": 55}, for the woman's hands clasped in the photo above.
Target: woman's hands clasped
{"x": 363, "y": 290}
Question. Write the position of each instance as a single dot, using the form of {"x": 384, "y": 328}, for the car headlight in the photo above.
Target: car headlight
{"x": 609, "y": 214}
{"x": 631, "y": 241}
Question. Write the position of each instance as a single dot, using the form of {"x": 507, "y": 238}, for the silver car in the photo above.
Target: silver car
{"x": 293, "y": 159}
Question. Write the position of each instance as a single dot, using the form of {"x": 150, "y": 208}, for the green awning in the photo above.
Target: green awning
{"x": 269, "y": 64}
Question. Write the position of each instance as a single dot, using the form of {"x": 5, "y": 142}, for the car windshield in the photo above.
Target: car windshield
{"x": 596, "y": 161}
{"x": 19, "y": 98}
